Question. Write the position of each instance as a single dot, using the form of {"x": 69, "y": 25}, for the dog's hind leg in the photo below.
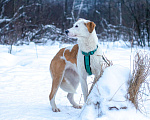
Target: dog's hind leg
{"x": 72, "y": 79}
{"x": 57, "y": 74}
{"x": 52, "y": 95}
{"x": 70, "y": 97}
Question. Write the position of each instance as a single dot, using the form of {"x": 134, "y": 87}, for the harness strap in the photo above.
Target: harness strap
{"x": 87, "y": 60}
{"x": 87, "y": 64}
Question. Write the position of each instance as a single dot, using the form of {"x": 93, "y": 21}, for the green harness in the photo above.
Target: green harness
{"x": 87, "y": 60}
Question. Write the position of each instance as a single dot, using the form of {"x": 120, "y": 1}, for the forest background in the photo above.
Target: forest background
{"x": 23, "y": 21}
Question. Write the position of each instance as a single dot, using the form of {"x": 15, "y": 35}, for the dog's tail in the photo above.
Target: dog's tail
{"x": 66, "y": 86}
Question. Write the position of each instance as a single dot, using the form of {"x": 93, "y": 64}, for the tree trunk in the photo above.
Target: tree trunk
{"x": 81, "y": 5}
{"x": 64, "y": 15}
{"x": 147, "y": 22}
{"x": 109, "y": 14}
{"x": 120, "y": 13}
{"x": 72, "y": 12}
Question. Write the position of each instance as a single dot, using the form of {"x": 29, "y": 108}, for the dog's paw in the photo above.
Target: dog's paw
{"x": 56, "y": 109}
{"x": 77, "y": 106}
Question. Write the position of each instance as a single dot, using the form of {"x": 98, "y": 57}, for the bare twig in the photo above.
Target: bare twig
{"x": 103, "y": 67}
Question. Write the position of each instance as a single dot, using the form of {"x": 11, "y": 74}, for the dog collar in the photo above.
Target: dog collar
{"x": 90, "y": 53}
{"x": 87, "y": 60}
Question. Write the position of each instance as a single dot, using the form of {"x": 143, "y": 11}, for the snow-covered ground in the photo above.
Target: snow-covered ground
{"x": 25, "y": 84}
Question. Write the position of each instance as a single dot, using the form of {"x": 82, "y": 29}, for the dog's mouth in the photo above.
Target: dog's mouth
{"x": 71, "y": 35}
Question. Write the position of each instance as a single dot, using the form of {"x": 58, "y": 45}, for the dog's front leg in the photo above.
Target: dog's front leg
{"x": 82, "y": 75}
{"x": 84, "y": 86}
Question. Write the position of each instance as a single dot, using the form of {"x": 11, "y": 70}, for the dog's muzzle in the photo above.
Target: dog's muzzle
{"x": 67, "y": 31}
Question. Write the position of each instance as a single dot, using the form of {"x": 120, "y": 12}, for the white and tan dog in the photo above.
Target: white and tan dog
{"x": 68, "y": 67}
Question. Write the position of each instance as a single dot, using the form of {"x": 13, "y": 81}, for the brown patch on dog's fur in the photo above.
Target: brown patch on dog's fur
{"x": 90, "y": 26}
{"x": 57, "y": 67}
{"x": 72, "y": 56}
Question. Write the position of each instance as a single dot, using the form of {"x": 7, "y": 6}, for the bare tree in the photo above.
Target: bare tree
{"x": 130, "y": 14}
{"x": 81, "y": 6}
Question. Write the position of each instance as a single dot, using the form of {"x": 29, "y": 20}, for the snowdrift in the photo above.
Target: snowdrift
{"x": 109, "y": 95}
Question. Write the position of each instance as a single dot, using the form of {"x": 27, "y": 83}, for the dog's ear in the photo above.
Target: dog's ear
{"x": 90, "y": 26}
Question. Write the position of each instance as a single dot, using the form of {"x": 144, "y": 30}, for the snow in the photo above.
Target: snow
{"x": 25, "y": 84}
{"x": 110, "y": 91}
{"x": 4, "y": 20}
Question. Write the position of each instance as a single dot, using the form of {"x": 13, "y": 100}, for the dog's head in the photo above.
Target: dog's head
{"x": 82, "y": 28}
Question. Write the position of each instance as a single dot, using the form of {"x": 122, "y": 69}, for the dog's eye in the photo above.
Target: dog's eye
{"x": 76, "y": 26}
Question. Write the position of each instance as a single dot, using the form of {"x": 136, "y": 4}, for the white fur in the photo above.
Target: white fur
{"x": 72, "y": 74}
{"x": 87, "y": 42}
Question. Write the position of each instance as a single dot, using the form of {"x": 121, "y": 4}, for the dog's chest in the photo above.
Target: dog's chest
{"x": 95, "y": 62}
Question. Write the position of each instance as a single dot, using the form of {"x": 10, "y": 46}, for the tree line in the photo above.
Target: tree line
{"x": 115, "y": 19}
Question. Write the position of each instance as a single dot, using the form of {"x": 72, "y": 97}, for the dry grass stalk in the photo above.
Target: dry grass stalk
{"x": 106, "y": 64}
{"x": 141, "y": 70}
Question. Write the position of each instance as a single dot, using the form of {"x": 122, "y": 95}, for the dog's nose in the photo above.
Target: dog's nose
{"x": 67, "y": 31}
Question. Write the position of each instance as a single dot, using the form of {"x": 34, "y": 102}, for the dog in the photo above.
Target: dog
{"x": 72, "y": 65}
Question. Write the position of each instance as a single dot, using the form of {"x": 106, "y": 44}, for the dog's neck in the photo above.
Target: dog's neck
{"x": 89, "y": 43}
